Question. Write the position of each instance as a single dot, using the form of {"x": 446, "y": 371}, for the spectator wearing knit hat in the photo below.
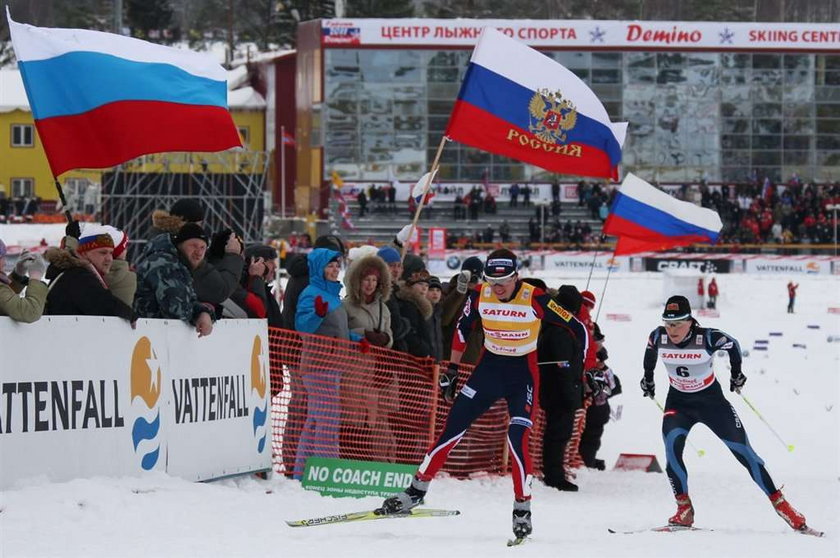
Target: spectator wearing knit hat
{"x": 121, "y": 279}
{"x": 78, "y": 286}
{"x": 416, "y": 308}
{"x": 164, "y": 279}
{"x": 28, "y": 308}
{"x": 186, "y": 210}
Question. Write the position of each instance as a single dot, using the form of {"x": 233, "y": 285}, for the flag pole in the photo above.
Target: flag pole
{"x": 67, "y": 214}
{"x": 425, "y": 190}
{"x": 282, "y": 172}
{"x": 592, "y": 265}
{"x": 604, "y": 291}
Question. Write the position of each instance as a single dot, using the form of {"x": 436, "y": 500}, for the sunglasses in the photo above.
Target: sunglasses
{"x": 673, "y": 324}
{"x": 500, "y": 281}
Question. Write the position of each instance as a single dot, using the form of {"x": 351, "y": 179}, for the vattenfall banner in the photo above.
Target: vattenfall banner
{"x": 89, "y": 396}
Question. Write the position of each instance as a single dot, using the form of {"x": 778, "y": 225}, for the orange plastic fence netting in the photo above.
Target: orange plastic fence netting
{"x": 330, "y": 399}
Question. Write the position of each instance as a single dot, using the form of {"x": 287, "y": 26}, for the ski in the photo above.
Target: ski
{"x": 517, "y": 541}
{"x": 660, "y": 529}
{"x": 370, "y": 515}
{"x": 813, "y": 532}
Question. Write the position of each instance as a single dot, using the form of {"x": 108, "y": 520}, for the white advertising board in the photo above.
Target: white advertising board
{"x": 84, "y": 396}
{"x": 583, "y": 261}
{"x": 788, "y": 266}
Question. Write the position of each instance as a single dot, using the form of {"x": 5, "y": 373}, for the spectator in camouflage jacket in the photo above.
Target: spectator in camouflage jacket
{"x": 164, "y": 279}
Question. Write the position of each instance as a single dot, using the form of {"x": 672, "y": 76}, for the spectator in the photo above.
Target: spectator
{"x": 218, "y": 276}
{"x": 416, "y": 308}
{"x": 183, "y": 211}
{"x": 261, "y": 286}
{"x": 489, "y": 234}
{"x": 472, "y": 272}
{"x": 459, "y": 210}
{"x": 77, "y": 286}
{"x": 368, "y": 283}
{"x": 713, "y": 294}
{"x": 29, "y": 308}
{"x": 555, "y": 192}
{"x": 298, "y": 268}
{"x": 504, "y": 231}
{"x": 319, "y": 311}
{"x": 791, "y": 287}
{"x": 434, "y": 295}
{"x": 602, "y": 384}
{"x": 400, "y": 327}
{"x": 514, "y": 194}
{"x": 121, "y": 279}
{"x": 526, "y": 196}
{"x": 164, "y": 279}
{"x": 362, "y": 199}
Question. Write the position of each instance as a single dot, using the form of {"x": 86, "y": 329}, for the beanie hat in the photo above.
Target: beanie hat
{"x": 474, "y": 265}
{"x": 389, "y": 254}
{"x": 500, "y": 264}
{"x": 120, "y": 239}
{"x": 588, "y": 298}
{"x": 411, "y": 265}
{"x": 421, "y": 276}
{"x": 260, "y": 251}
{"x": 434, "y": 282}
{"x": 189, "y": 231}
{"x": 188, "y": 209}
{"x": 331, "y": 241}
{"x": 569, "y": 298}
{"x": 93, "y": 237}
{"x": 677, "y": 308}
{"x": 3, "y": 250}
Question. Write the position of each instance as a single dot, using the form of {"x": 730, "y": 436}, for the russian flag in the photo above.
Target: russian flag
{"x": 100, "y": 99}
{"x": 646, "y": 219}
{"x": 519, "y": 103}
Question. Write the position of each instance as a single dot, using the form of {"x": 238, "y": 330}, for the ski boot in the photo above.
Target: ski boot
{"x": 792, "y": 517}
{"x": 521, "y": 519}
{"x": 685, "y": 512}
{"x": 403, "y": 502}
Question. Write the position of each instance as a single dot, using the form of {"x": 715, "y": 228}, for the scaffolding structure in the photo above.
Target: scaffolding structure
{"x": 230, "y": 185}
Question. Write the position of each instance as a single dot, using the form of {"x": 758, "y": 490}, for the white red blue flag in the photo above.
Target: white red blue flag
{"x": 519, "y": 103}
{"x": 646, "y": 219}
{"x": 100, "y": 99}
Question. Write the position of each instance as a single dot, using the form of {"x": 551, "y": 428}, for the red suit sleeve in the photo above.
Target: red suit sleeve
{"x": 467, "y": 321}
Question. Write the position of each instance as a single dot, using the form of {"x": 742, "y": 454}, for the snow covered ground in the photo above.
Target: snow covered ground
{"x": 797, "y": 391}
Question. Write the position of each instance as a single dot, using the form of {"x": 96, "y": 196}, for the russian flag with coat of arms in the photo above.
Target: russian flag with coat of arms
{"x": 100, "y": 99}
{"x": 519, "y": 103}
{"x": 646, "y": 219}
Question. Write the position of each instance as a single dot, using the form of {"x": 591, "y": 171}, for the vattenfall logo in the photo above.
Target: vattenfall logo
{"x": 259, "y": 383}
{"x": 145, "y": 395}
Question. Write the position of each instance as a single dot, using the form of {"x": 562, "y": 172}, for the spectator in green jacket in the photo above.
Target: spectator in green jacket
{"x": 30, "y": 307}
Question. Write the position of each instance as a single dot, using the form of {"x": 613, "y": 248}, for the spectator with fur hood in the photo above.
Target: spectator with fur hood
{"x": 368, "y": 283}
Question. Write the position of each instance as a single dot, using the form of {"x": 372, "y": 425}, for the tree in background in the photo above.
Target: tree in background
{"x": 150, "y": 19}
{"x": 380, "y": 8}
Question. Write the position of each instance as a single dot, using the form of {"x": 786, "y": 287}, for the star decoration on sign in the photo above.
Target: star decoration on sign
{"x": 726, "y": 36}
{"x": 597, "y": 35}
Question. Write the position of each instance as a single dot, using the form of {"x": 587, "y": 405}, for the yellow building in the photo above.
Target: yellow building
{"x": 24, "y": 171}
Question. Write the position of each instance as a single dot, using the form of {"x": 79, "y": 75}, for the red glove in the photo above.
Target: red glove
{"x": 321, "y": 306}
{"x": 364, "y": 345}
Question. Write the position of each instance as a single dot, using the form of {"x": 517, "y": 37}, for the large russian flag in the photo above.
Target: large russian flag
{"x": 646, "y": 219}
{"x": 519, "y": 103}
{"x": 100, "y": 99}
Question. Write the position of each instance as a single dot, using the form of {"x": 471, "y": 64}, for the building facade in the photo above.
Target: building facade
{"x": 704, "y": 100}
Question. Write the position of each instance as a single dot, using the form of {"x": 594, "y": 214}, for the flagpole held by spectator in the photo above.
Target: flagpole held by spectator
{"x": 424, "y": 188}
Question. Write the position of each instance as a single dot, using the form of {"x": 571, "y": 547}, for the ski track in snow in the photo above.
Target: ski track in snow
{"x": 795, "y": 389}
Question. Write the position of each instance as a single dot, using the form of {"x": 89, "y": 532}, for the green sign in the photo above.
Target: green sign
{"x": 345, "y": 477}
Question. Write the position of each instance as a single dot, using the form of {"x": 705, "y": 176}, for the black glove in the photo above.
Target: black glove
{"x": 597, "y": 382}
{"x": 218, "y": 242}
{"x": 73, "y": 229}
{"x": 602, "y": 354}
{"x": 648, "y": 388}
{"x": 736, "y": 382}
{"x": 448, "y": 382}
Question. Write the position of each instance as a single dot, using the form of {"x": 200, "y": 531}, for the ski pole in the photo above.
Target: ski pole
{"x": 751, "y": 406}
{"x": 700, "y": 452}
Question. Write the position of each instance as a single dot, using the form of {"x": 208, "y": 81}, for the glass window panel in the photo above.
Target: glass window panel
{"x": 409, "y": 123}
{"x": 472, "y": 156}
{"x": 735, "y": 110}
{"x": 733, "y": 78}
{"x": 573, "y": 60}
{"x": 797, "y": 61}
{"x": 795, "y": 126}
{"x": 736, "y": 93}
{"x": 640, "y": 75}
{"x": 670, "y": 60}
{"x": 735, "y": 126}
{"x": 440, "y": 107}
{"x": 377, "y": 100}
{"x": 799, "y": 93}
{"x": 828, "y": 126}
{"x": 796, "y": 110}
{"x": 739, "y": 61}
{"x": 438, "y": 123}
{"x": 606, "y": 60}
{"x": 828, "y": 158}
{"x": 797, "y": 142}
{"x": 339, "y": 106}
{"x": 639, "y": 60}
{"x": 767, "y": 110}
{"x": 377, "y": 65}
{"x": 767, "y": 142}
{"x": 825, "y": 110}
{"x": 797, "y": 157}
{"x": 796, "y": 77}
{"x": 767, "y": 77}
{"x": 608, "y": 92}
{"x": 767, "y": 94}
{"x": 582, "y": 73}
{"x": 828, "y": 142}
{"x": 443, "y": 74}
{"x": 507, "y": 172}
{"x": 408, "y": 108}
{"x": 443, "y": 90}
{"x": 404, "y": 140}
{"x": 377, "y": 124}
{"x": 766, "y": 158}
{"x": 827, "y": 94}
{"x": 735, "y": 142}
{"x": 450, "y": 58}
{"x": 341, "y": 121}
{"x": 670, "y": 75}
{"x": 832, "y": 78}
{"x": 766, "y": 61}
{"x": 760, "y": 127}
{"x": 472, "y": 172}
{"x": 829, "y": 62}
{"x": 606, "y": 76}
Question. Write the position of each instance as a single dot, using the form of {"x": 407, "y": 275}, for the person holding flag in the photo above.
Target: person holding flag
{"x": 510, "y": 312}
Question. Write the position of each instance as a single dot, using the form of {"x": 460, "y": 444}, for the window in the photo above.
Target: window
{"x": 23, "y": 187}
{"x": 23, "y": 135}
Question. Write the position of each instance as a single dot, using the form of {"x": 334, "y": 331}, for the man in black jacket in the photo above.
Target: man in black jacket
{"x": 561, "y": 390}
